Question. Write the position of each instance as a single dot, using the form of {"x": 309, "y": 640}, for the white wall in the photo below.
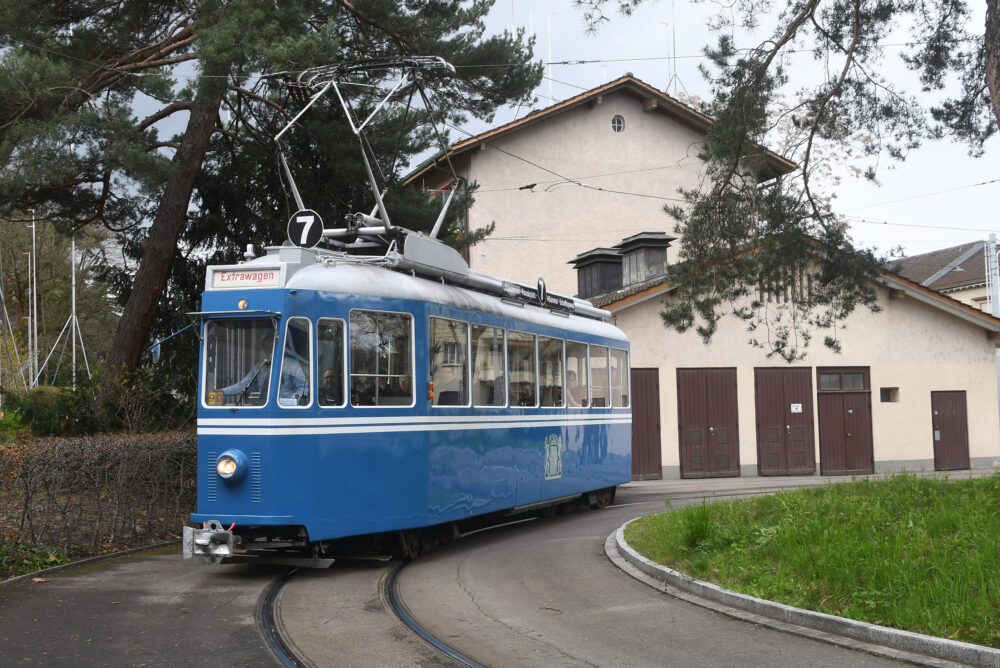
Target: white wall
{"x": 908, "y": 345}
{"x": 539, "y": 231}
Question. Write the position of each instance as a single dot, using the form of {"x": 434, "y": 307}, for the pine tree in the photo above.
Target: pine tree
{"x": 775, "y": 254}
{"x": 89, "y": 85}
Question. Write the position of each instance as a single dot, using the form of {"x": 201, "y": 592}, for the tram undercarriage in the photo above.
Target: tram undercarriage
{"x": 290, "y": 545}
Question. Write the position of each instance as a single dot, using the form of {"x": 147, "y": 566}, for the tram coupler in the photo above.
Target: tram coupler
{"x": 211, "y": 544}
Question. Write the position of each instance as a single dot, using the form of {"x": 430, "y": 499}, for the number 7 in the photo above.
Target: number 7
{"x": 308, "y": 220}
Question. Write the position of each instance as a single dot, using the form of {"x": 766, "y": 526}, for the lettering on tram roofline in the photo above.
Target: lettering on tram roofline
{"x": 537, "y": 296}
{"x": 246, "y": 278}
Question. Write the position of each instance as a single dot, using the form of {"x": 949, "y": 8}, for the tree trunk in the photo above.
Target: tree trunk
{"x": 159, "y": 248}
{"x": 992, "y": 39}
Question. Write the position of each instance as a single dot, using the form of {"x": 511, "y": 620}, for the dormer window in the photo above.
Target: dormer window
{"x": 617, "y": 123}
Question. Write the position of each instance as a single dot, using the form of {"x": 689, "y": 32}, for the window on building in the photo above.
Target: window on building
{"x": 617, "y": 123}
{"x": 829, "y": 381}
{"x": 844, "y": 379}
{"x": 381, "y": 359}
{"x": 449, "y": 340}
{"x": 888, "y": 395}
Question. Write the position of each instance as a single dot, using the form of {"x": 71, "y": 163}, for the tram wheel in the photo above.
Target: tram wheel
{"x": 602, "y": 498}
{"x": 409, "y": 542}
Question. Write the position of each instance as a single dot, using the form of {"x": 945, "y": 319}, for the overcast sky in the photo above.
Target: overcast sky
{"x": 932, "y": 200}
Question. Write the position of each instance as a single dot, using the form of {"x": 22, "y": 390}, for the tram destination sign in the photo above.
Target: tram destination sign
{"x": 538, "y": 296}
{"x": 258, "y": 277}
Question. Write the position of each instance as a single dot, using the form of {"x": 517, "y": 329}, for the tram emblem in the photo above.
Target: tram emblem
{"x": 553, "y": 457}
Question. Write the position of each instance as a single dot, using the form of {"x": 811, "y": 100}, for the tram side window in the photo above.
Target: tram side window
{"x": 449, "y": 369}
{"x": 238, "y": 356}
{"x": 489, "y": 387}
{"x": 523, "y": 383}
{"x": 619, "y": 378}
{"x": 599, "y": 379}
{"x": 550, "y": 367}
{"x": 577, "y": 372}
{"x": 296, "y": 364}
{"x": 381, "y": 359}
{"x": 330, "y": 362}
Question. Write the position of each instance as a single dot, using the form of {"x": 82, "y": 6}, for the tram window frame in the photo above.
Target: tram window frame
{"x": 600, "y": 394}
{"x": 583, "y": 382}
{"x": 512, "y": 373}
{"x": 488, "y": 384}
{"x": 557, "y": 390}
{"x": 620, "y": 399}
{"x": 376, "y": 390}
{"x": 259, "y": 331}
{"x": 338, "y": 364}
{"x": 289, "y": 352}
{"x": 447, "y": 354}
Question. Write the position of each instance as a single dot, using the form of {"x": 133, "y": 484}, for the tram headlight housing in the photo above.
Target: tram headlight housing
{"x": 232, "y": 466}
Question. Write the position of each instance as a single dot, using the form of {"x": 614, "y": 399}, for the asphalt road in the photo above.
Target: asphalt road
{"x": 537, "y": 593}
{"x": 152, "y": 609}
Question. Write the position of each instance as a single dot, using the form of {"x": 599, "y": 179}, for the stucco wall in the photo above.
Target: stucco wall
{"x": 909, "y": 345}
{"x": 539, "y": 230}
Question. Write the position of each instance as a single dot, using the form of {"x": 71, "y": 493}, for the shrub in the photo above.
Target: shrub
{"x": 57, "y": 411}
{"x": 85, "y": 495}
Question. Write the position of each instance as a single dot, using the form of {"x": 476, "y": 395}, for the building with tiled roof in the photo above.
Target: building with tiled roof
{"x": 914, "y": 386}
{"x": 583, "y": 173}
{"x": 958, "y": 271}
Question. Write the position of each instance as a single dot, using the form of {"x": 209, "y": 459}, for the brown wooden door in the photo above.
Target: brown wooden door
{"x": 646, "y": 455}
{"x": 951, "y": 430}
{"x": 845, "y": 433}
{"x": 708, "y": 425}
{"x": 785, "y": 443}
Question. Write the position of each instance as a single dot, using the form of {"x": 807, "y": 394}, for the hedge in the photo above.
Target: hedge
{"x": 72, "y": 497}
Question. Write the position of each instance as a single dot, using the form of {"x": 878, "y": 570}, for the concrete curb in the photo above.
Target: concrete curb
{"x": 906, "y": 645}
{"x": 89, "y": 561}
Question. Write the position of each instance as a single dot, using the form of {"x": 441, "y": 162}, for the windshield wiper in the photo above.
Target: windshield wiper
{"x": 251, "y": 378}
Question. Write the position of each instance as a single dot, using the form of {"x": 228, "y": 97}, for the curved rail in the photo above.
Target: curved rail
{"x": 390, "y": 591}
{"x": 268, "y": 623}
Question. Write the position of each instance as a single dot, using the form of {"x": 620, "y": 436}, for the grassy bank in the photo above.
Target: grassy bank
{"x": 906, "y": 552}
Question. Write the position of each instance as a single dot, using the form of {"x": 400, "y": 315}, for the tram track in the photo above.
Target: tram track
{"x": 265, "y": 615}
{"x": 390, "y": 593}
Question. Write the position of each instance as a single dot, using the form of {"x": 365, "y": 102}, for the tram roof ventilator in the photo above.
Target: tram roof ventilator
{"x": 403, "y": 250}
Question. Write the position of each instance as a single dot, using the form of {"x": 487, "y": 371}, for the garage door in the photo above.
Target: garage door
{"x": 785, "y": 443}
{"x": 845, "y": 421}
{"x": 707, "y": 423}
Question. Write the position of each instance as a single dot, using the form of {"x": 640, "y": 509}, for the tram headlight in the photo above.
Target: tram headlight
{"x": 232, "y": 466}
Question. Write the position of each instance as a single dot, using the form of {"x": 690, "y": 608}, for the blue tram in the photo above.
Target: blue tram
{"x": 394, "y": 398}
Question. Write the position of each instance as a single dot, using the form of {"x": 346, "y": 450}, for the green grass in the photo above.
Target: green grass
{"x": 906, "y": 552}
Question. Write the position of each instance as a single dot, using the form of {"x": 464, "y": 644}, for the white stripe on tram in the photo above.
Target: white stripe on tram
{"x": 409, "y": 419}
{"x": 240, "y": 429}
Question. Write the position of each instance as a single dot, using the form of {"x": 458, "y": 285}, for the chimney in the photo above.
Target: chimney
{"x": 644, "y": 257}
{"x": 598, "y": 272}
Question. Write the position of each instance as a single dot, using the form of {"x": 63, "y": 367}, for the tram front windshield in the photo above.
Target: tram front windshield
{"x": 238, "y": 354}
